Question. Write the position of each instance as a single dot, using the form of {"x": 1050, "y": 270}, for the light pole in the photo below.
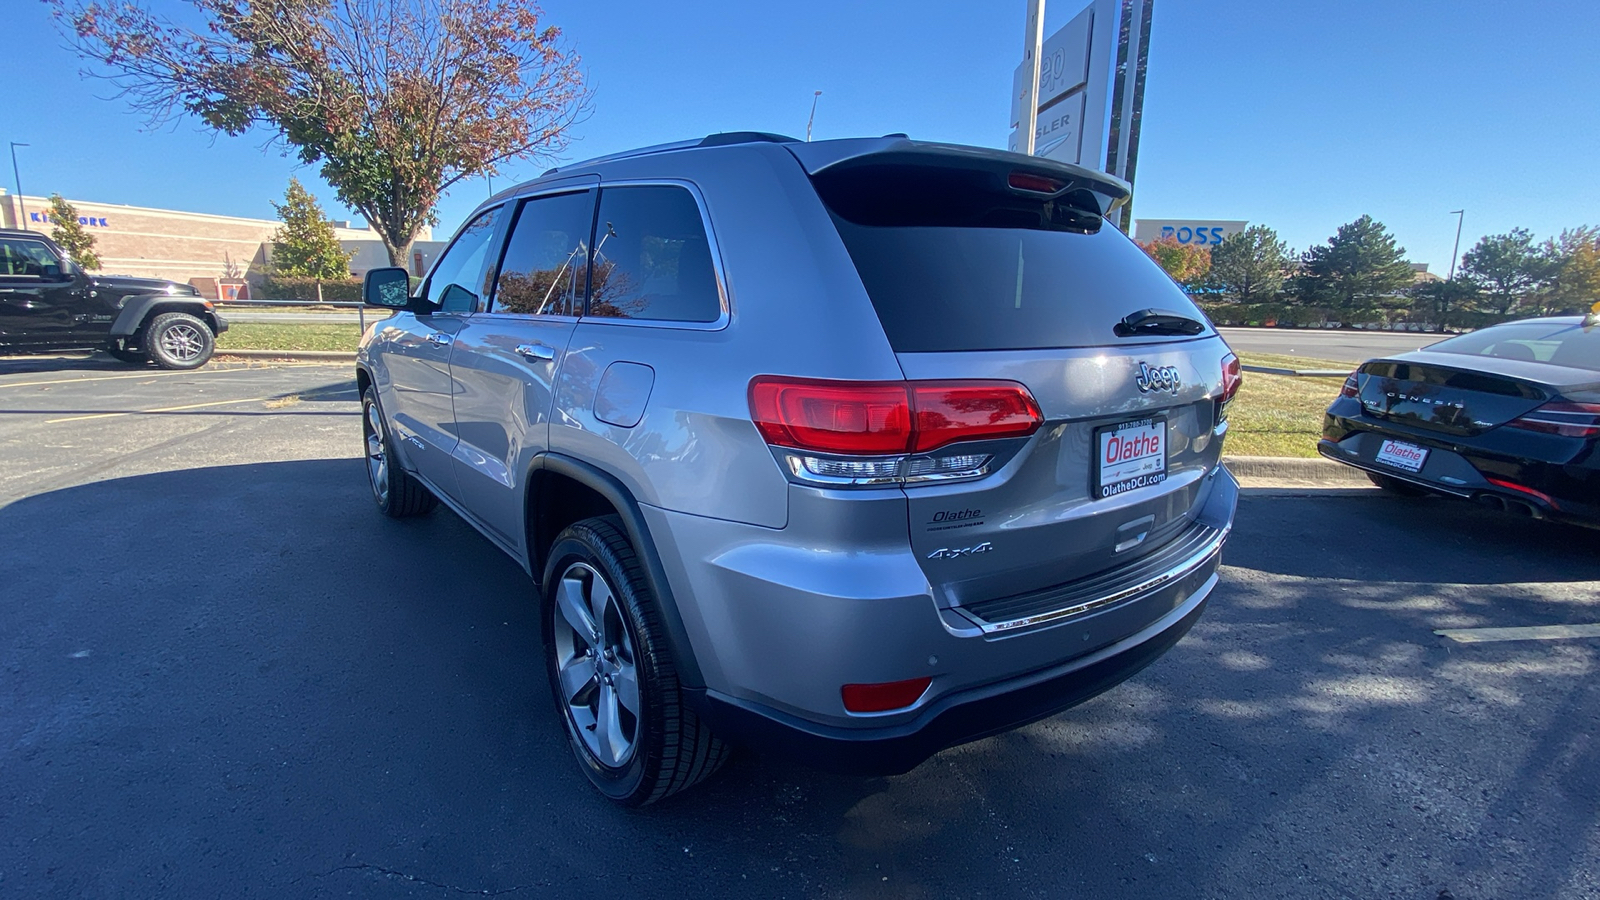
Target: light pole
{"x": 1461, "y": 216}
{"x": 813, "y": 118}
{"x": 22, "y": 217}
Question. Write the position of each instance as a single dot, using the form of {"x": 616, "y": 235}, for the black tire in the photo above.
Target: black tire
{"x": 1396, "y": 486}
{"x": 398, "y": 493}
{"x": 127, "y": 355}
{"x": 179, "y": 341}
{"x": 671, "y": 748}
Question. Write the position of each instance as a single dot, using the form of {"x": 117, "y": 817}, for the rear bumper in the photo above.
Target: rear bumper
{"x": 955, "y": 718}
{"x": 1564, "y": 486}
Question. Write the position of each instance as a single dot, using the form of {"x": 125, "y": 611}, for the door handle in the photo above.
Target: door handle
{"x": 536, "y": 351}
{"x": 440, "y": 339}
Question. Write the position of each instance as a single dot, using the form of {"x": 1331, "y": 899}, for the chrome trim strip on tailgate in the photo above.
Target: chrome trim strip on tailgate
{"x": 1208, "y": 550}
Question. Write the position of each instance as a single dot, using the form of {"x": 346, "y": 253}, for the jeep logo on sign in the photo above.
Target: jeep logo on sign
{"x": 1162, "y": 378}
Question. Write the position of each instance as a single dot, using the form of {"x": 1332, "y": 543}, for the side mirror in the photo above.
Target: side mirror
{"x": 389, "y": 287}
{"x": 53, "y": 272}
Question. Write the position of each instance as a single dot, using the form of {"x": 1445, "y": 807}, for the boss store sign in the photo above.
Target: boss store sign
{"x": 1196, "y": 232}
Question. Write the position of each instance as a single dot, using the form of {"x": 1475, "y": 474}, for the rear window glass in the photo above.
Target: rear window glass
{"x": 1558, "y": 343}
{"x": 955, "y": 260}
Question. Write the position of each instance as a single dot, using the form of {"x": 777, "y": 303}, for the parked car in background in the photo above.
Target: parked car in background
{"x": 48, "y": 304}
{"x": 849, "y": 451}
{"x": 1508, "y": 416}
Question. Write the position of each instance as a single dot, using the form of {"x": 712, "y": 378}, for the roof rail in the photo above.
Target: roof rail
{"x": 723, "y": 138}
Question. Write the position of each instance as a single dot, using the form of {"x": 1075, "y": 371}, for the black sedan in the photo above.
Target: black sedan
{"x": 1508, "y": 416}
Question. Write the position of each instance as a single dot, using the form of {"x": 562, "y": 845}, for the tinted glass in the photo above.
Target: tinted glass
{"x": 457, "y": 284}
{"x": 547, "y": 257}
{"x": 652, "y": 259}
{"x": 956, "y": 260}
{"x": 1560, "y": 343}
{"x": 27, "y": 259}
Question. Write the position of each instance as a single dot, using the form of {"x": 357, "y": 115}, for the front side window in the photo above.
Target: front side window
{"x": 27, "y": 259}
{"x": 457, "y": 284}
{"x": 652, "y": 259}
{"x": 547, "y": 257}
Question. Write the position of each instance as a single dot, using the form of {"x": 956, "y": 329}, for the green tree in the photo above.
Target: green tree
{"x": 396, "y": 100}
{"x": 1186, "y": 263}
{"x": 1443, "y": 302}
{"x": 1572, "y": 277}
{"x": 1507, "y": 268}
{"x": 1358, "y": 271}
{"x": 66, "y": 230}
{"x": 1251, "y": 266}
{"x": 305, "y": 245}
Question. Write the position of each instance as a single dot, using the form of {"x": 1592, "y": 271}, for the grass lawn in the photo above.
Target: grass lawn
{"x": 1287, "y": 361}
{"x": 289, "y": 336}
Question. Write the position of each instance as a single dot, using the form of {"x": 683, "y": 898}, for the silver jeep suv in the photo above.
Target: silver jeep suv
{"x": 847, "y": 451}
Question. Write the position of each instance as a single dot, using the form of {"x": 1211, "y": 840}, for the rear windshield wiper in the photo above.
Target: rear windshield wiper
{"x": 1155, "y": 322}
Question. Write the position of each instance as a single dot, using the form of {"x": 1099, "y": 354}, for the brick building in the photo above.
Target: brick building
{"x": 193, "y": 248}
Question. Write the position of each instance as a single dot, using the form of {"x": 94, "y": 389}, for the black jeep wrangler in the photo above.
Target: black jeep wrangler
{"x": 48, "y": 304}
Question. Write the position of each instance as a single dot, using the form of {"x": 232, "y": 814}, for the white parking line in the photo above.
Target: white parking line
{"x": 1529, "y": 633}
{"x": 164, "y": 409}
{"x": 209, "y": 371}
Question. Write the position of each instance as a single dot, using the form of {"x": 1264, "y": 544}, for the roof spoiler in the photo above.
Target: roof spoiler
{"x": 1110, "y": 192}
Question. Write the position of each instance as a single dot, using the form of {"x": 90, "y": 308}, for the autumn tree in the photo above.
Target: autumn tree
{"x": 1250, "y": 266}
{"x": 394, "y": 100}
{"x": 306, "y": 245}
{"x": 1358, "y": 270}
{"x": 1186, "y": 263}
{"x": 69, "y": 233}
{"x": 1507, "y": 268}
{"x": 1572, "y": 270}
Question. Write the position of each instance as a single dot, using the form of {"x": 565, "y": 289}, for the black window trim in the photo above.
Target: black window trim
{"x": 725, "y": 315}
{"x": 521, "y": 200}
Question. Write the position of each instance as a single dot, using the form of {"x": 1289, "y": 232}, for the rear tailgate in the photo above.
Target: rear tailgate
{"x": 991, "y": 266}
{"x": 1054, "y": 513}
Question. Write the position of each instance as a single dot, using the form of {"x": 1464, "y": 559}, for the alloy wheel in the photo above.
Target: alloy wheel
{"x": 182, "y": 342}
{"x": 377, "y": 462}
{"x": 595, "y": 664}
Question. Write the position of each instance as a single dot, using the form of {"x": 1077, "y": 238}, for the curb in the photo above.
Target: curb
{"x": 1295, "y": 470}
{"x": 1301, "y": 373}
{"x": 341, "y": 355}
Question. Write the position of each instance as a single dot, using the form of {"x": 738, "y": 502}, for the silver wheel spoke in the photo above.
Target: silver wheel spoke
{"x": 626, "y": 683}
{"x": 608, "y": 726}
{"x": 599, "y": 601}
{"x": 577, "y": 676}
{"x": 576, "y": 611}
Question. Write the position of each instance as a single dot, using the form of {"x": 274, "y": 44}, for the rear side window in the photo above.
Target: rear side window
{"x": 955, "y": 259}
{"x": 1560, "y": 343}
{"x": 652, "y": 259}
{"x": 547, "y": 257}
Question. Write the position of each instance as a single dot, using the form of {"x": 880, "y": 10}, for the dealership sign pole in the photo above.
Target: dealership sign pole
{"x": 1078, "y": 95}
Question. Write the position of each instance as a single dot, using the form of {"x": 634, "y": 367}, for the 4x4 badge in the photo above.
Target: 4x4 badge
{"x": 946, "y": 553}
{"x": 1160, "y": 378}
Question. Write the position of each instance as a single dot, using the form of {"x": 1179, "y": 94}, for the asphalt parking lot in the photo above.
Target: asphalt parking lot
{"x": 225, "y": 675}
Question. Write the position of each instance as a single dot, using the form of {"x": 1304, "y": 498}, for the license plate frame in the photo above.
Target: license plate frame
{"x": 1132, "y": 473}
{"x": 1402, "y": 455}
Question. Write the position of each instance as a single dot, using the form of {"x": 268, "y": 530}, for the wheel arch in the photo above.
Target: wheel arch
{"x": 562, "y": 490}
{"x": 136, "y": 311}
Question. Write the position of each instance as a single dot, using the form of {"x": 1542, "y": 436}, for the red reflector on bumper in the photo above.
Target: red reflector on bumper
{"x": 884, "y": 697}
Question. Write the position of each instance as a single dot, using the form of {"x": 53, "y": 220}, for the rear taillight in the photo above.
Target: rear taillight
{"x": 888, "y": 420}
{"x": 1352, "y": 386}
{"x": 1578, "y": 420}
{"x": 1232, "y": 377}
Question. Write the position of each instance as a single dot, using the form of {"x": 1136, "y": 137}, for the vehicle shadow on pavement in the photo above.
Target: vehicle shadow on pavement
{"x": 67, "y": 362}
{"x": 245, "y": 675}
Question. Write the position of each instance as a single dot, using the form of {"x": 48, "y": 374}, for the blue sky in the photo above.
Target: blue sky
{"x": 1300, "y": 115}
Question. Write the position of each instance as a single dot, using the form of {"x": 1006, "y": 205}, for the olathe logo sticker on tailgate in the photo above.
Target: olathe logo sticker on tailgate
{"x": 1132, "y": 455}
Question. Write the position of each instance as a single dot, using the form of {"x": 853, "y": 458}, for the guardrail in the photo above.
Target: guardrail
{"x": 360, "y": 308}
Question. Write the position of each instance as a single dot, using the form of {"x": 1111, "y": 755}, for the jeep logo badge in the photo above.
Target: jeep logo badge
{"x": 1162, "y": 378}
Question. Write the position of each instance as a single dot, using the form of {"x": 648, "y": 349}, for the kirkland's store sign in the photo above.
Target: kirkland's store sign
{"x": 1199, "y": 232}
{"x": 91, "y": 221}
